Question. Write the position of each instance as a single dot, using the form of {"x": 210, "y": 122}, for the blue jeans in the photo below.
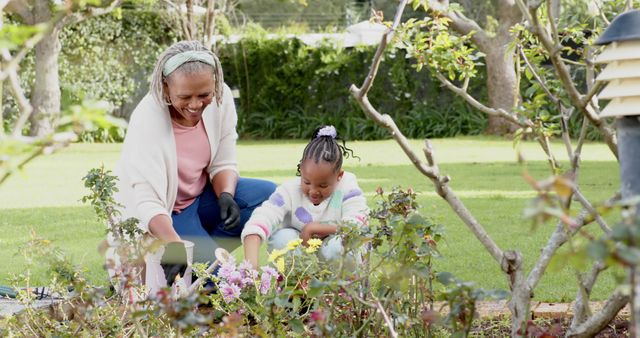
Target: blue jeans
{"x": 201, "y": 224}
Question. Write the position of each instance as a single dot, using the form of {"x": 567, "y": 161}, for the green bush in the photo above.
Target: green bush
{"x": 287, "y": 89}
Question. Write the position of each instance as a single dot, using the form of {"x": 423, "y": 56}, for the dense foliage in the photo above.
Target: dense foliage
{"x": 287, "y": 88}
{"x": 383, "y": 285}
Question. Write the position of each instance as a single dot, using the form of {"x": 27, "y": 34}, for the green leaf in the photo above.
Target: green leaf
{"x": 445, "y": 278}
{"x": 597, "y": 250}
{"x": 14, "y": 36}
{"x": 296, "y": 325}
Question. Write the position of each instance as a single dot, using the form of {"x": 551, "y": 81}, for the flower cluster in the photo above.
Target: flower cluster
{"x": 233, "y": 279}
{"x": 277, "y": 256}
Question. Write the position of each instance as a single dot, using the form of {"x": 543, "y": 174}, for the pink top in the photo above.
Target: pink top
{"x": 194, "y": 155}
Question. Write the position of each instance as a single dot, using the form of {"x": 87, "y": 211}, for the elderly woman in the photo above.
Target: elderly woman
{"x": 178, "y": 172}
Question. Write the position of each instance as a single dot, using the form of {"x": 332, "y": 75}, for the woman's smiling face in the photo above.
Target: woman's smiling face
{"x": 189, "y": 95}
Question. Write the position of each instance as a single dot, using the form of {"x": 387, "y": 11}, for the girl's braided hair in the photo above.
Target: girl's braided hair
{"x": 324, "y": 146}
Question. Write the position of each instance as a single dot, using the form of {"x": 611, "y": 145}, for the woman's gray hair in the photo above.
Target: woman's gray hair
{"x": 158, "y": 79}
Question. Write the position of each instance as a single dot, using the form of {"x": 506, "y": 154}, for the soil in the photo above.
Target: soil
{"x": 544, "y": 328}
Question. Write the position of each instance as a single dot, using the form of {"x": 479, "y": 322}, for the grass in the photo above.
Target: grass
{"x": 45, "y": 198}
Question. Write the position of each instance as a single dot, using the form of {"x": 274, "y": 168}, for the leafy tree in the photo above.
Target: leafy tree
{"x": 45, "y": 94}
{"x": 541, "y": 109}
{"x": 16, "y": 40}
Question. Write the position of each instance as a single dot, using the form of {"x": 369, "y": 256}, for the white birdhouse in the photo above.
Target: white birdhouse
{"x": 622, "y": 73}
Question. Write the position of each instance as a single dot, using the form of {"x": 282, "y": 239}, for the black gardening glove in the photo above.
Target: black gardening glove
{"x": 229, "y": 211}
{"x": 174, "y": 261}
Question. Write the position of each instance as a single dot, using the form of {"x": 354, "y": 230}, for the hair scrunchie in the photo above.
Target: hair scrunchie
{"x": 192, "y": 55}
{"x": 329, "y": 131}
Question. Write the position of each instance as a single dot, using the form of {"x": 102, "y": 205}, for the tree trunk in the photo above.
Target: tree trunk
{"x": 501, "y": 85}
{"x": 520, "y": 292}
{"x": 45, "y": 95}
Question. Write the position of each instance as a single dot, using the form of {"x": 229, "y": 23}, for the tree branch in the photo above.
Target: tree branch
{"x": 386, "y": 319}
{"x": 12, "y": 62}
{"x": 476, "y": 104}
{"x": 599, "y": 321}
{"x": 577, "y": 194}
{"x": 21, "y": 8}
{"x": 465, "y": 26}
{"x": 546, "y": 147}
{"x": 375, "y": 63}
{"x": 90, "y": 12}
{"x": 565, "y": 78}
{"x": 557, "y": 239}
{"x": 25, "y": 107}
{"x": 537, "y": 76}
{"x": 585, "y": 283}
{"x": 429, "y": 171}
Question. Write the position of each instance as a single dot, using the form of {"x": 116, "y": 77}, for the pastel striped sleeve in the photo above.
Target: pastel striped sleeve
{"x": 354, "y": 204}
{"x": 269, "y": 215}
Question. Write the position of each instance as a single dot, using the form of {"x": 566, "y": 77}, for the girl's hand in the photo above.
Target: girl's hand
{"x": 252, "y": 249}
{"x": 309, "y": 231}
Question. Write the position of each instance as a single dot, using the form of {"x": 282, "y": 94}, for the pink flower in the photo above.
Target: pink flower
{"x": 245, "y": 266}
{"x": 229, "y": 291}
{"x": 318, "y": 316}
{"x": 269, "y": 271}
{"x": 265, "y": 283}
{"x": 247, "y": 270}
{"x": 226, "y": 269}
{"x": 235, "y": 277}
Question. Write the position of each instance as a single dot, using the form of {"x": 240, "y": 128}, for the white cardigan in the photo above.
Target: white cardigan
{"x": 147, "y": 169}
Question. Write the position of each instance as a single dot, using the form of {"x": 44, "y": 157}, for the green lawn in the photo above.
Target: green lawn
{"x": 45, "y": 198}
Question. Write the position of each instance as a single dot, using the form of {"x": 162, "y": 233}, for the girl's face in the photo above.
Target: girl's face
{"x": 318, "y": 180}
{"x": 189, "y": 95}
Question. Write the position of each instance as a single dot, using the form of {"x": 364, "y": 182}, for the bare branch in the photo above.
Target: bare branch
{"x": 546, "y": 147}
{"x": 586, "y": 281}
{"x": 599, "y": 321}
{"x": 25, "y": 107}
{"x": 14, "y": 61}
{"x": 209, "y": 24}
{"x": 552, "y": 23}
{"x": 375, "y": 63}
{"x": 386, "y": 319}
{"x": 575, "y": 160}
{"x": 566, "y": 138}
{"x": 557, "y": 239}
{"x": 592, "y": 92}
{"x": 487, "y": 110}
{"x": 190, "y": 23}
{"x": 537, "y": 76}
{"x": 44, "y": 145}
{"x": 577, "y": 194}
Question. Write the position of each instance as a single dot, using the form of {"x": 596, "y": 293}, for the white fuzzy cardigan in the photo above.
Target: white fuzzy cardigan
{"x": 147, "y": 169}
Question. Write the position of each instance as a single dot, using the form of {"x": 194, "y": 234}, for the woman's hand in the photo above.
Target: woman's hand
{"x": 229, "y": 211}
{"x": 174, "y": 261}
{"x": 162, "y": 228}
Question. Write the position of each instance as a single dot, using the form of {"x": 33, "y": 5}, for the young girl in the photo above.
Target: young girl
{"x": 310, "y": 206}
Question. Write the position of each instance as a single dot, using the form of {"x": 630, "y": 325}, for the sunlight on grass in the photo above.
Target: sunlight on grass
{"x": 484, "y": 175}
